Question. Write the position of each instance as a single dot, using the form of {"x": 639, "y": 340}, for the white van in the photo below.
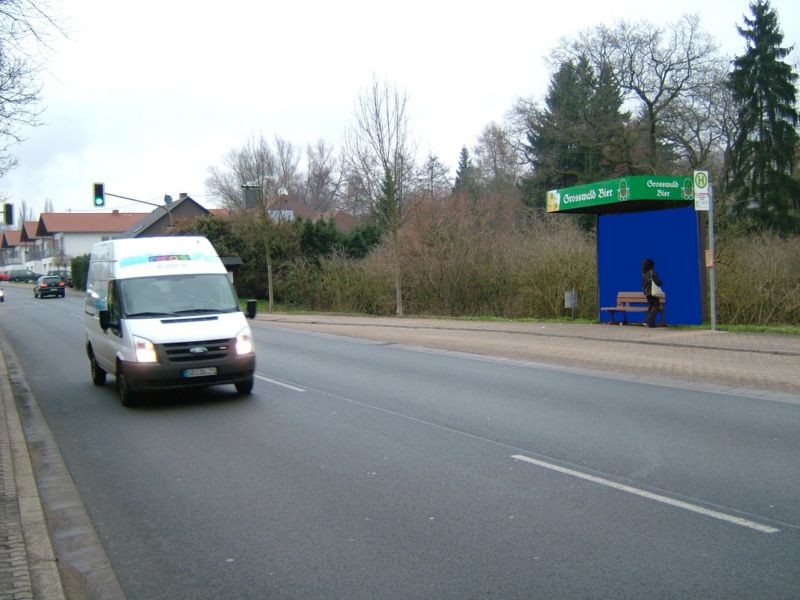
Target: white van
{"x": 162, "y": 314}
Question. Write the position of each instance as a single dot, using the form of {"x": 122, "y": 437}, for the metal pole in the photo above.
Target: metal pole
{"x": 169, "y": 213}
{"x": 712, "y": 280}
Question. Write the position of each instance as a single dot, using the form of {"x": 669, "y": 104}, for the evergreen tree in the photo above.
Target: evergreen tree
{"x": 389, "y": 215}
{"x": 466, "y": 175}
{"x": 576, "y": 139}
{"x": 318, "y": 238}
{"x": 608, "y": 154}
{"x": 360, "y": 241}
{"x": 764, "y": 151}
{"x": 387, "y": 209}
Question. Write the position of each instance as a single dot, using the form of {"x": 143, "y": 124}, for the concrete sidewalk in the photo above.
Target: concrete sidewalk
{"x": 28, "y": 567}
{"x": 49, "y": 549}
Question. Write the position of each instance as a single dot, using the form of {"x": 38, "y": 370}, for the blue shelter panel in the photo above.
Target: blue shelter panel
{"x": 671, "y": 238}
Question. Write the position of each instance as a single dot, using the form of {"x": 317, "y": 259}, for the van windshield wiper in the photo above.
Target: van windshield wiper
{"x": 149, "y": 314}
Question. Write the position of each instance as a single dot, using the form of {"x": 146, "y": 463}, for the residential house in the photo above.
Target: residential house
{"x": 13, "y": 251}
{"x": 166, "y": 218}
{"x": 288, "y": 208}
{"x": 59, "y": 237}
{"x": 54, "y": 239}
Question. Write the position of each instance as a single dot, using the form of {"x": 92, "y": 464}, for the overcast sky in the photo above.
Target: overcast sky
{"x": 146, "y": 96}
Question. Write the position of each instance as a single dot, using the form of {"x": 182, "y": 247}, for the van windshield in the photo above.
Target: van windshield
{"x": 176, "y": 295}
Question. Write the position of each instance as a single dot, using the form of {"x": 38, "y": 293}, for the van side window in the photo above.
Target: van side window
{"x": 112, "y": 302}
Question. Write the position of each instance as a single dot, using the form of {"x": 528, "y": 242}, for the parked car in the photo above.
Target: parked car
{"x": 2, "y": 296}
{"x": 25, "y": 275}
{"x": 4, "y": 276}
{"x": 65, "y": 275}
{"x": 49, "y": 285}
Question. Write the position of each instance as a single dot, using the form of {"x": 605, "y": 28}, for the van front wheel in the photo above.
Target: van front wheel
{"x": 244, "y": 387}
{"x": 126, "y": 395}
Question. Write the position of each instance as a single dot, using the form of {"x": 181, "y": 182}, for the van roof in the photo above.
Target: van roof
{"x": 142, "y": 257}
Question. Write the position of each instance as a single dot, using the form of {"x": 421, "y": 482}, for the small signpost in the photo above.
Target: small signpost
{"x": 704, "y": 201}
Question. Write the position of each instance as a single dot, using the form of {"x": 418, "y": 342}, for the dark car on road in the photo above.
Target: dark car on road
{"x": 49, "y": 285}
{"x": 65, "y": 275}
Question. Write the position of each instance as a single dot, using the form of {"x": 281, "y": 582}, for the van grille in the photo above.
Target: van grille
{"x": 189, "y": 352}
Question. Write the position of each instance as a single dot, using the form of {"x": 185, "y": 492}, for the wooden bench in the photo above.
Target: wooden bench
{"x": 633, "y": 302}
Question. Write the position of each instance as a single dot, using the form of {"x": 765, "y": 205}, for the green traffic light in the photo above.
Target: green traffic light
{"x": 99, "y": 195}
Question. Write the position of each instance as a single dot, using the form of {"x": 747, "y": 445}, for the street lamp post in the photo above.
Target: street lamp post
{"x": 266, "y": 232}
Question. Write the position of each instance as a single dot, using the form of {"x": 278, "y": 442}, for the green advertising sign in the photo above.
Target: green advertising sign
{"x": 626, "y": 189}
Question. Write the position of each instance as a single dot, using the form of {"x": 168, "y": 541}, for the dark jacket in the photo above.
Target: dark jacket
{"x": 646, "y": 281}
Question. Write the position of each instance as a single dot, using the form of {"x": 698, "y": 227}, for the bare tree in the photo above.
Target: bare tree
{"x": 653, "y": 66}
{"x": 381, "y": 161}
{"x": 24, "y": 213}
{"x": 253, "y": 167}
{"x": 354, "y": 198}
{"x": 698, "y": 125}
{"x": 496, "y": 159}
{"x": 21, "y": 21}
{"x": 251, "y": 181}
{"x": 433, "y": 179}
{"x": 287, "y": 160}
{"x": 323, "y": 177}
{"x": 517, "y": 125}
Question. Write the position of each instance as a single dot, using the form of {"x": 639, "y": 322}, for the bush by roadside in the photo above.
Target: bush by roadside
{"x": 758, "y": 279}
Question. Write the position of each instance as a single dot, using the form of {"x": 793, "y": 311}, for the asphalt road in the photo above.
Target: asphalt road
{"x": 367, "y": 470}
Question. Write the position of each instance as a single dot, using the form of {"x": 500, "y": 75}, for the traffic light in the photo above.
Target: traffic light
{"x": 8, "y": 212}
{"x": 99, "y": 195}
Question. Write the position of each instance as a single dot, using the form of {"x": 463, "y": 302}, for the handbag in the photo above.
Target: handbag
{"x": 655, "y": 289}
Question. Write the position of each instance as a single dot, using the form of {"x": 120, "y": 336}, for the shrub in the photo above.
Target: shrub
{"x": 758, "y": 279}
{"x": 463, "y": 258}
{"x": 79, "y": 267}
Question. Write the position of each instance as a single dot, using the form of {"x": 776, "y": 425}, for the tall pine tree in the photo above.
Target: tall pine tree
{"x": 577, "y": 138}
{"x": 764, "y": 151}
{"x": 467, "y": 181}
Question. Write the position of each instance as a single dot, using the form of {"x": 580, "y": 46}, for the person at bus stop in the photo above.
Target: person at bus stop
{"x": 649, "y": 275}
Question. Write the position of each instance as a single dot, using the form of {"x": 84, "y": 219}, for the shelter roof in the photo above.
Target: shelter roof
{"x": 626, "y": 194}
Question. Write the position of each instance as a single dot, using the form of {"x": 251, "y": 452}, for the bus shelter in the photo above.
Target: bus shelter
{"x": 638, "y": 217}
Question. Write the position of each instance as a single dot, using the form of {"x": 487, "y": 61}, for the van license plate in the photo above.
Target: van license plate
{"x": 205, "y": 372}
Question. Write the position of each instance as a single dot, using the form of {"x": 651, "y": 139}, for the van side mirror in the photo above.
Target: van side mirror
{"x": 251, "y": 309}
{"x": 105, "y": 319}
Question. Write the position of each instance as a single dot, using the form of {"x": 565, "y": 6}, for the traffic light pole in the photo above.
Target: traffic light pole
{"x": 169, "y": 213}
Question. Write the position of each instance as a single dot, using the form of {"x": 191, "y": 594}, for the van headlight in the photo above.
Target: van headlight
{"x": 145, "y": 350}
{"x": 244, "y": 342}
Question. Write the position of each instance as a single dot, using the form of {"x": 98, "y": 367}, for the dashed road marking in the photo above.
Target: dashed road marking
{"x": 649, "y": 495}
{"x": 280, "y": 383}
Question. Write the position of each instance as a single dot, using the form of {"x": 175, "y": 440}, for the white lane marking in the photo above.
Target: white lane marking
{"x": 649, "y": 495}
{"x": 280, "y": 383}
